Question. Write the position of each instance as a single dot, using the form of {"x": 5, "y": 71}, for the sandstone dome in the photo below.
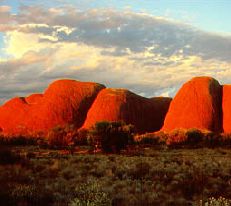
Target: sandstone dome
{"x": 226, "y": 108}
{"x": 64, "y": 102}
{"x": 196, "y": 105}
{"x": 145, "y": 114}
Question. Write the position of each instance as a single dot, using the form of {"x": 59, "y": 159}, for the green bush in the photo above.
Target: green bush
{"x": 110, "y": 136}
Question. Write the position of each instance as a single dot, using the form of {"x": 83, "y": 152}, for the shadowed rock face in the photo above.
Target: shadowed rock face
{"x": 226, "y": 108}
{"x": 196, "y": 105}
{"x": 64, "y": 102}
{"x": 145, "y": 114}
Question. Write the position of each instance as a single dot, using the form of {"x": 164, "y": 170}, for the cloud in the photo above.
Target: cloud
{"x": 122, "y": 30}
{"x": 147, "y": 54}
{"x": 5, "y": 15}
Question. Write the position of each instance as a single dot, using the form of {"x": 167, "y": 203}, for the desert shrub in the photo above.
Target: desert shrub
{"x": 212, "y": 139}
{"x": 157, "y": 138}
{"x": 90, "y": 194}
{"x": 17, "y": 140}
{"x": 30, "y": 194}
{"x": 176, "y": 137}
{"x": 225, "y": 139}
{"x": 61, "y": 137}
{"x": 56, "y": 137}
{"x": 194, "y": 136}
{"x": 221, "y": 201}
{"x": 141, "y": 170}
{"x": 81, "y": 137}
{"x": 110, "y": 136}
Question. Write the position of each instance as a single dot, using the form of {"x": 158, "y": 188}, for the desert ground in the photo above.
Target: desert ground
{"x": 140, "y": 175}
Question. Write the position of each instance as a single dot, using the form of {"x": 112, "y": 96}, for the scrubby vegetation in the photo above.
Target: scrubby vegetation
{"x": 182, "y": 138}
{"x": 110, "y": 136}
{"x": 182, "y": 167}
{"x": 36, "y": 176}
{"x": 115, "y": 136}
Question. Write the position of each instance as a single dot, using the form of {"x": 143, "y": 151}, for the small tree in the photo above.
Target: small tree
{"x": 61, "y": 137}
{"x": 81, "y": 137}
{"x": 110, "y": 136}
{"x": 194, "y": 136}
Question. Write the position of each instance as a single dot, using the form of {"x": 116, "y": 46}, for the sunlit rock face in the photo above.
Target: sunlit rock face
{"x": 64, "y": 102}
{"x": 226, "y": 108}
{"x": 34, "y": 98}
{"x": 14, "y": 115}
{"x": 201, "y": 103}
{"x": 145, "y": 114}
{"x": 196, "y": 105}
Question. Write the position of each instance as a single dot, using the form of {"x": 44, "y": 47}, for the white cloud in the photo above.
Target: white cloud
{"x": 147, "y": 54}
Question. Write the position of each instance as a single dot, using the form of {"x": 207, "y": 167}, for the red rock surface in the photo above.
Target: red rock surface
{"x": 196, "y": 105}
{"x": 226, "y": 108}
{"x": 13, "y": 115}
{"x": 64, "y": 102}
{"x": 34, "y": 98}
{"x": 120, "y": 104}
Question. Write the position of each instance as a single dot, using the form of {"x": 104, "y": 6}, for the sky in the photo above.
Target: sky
{"x": 150, "y": 47}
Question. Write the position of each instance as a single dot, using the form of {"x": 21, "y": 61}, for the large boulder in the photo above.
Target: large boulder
{"x": 64, "y": 102}
{"x": 226, "y": 108}
{"x": 196, "y": 105}
{"x": 145, "y": 114}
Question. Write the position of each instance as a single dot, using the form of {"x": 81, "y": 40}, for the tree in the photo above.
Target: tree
{"x": 111, "y": 136}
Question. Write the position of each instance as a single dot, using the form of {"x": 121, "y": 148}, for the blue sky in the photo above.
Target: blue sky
{"x": 148, "y": 46}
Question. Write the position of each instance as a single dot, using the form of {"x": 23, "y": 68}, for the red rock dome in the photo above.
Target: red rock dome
{"x": 196, "y": 105}
{"x": 64, "y": 102}
{"x": 226, "y": 108}
{"x": 34, "y": 98}
{"x": 13, "y": 115}
{"x": 120, "y": 104}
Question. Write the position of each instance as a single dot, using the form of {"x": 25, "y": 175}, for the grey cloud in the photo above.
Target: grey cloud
{"x": 123, "y": 32}
{"x": 110, "y": 28}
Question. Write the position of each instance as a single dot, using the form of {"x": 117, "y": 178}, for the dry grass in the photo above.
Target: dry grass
{"x": 139, "y": 176}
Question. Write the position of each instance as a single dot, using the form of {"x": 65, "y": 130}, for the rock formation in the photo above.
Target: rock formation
{"x": 13, "y": 115}
{"x": 147, "y": 115}
{"x": 200, "y": 103}
{"x": 34, "y": 98}
{"x": 226, "y": 108}
{"x": 196, "y": 105}
{"x": 64, "y": 102}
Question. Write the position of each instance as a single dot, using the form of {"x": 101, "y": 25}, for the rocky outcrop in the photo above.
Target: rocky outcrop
{"x": 14, "y": 116}
{"x": 226, "y": 108}
{"x": 196, "y": 105}
{"x": 64, "y": 102}
{"x": 34, "y": 98}
{"x": 201, "y": 103}
{"x": 145, "y": 114}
